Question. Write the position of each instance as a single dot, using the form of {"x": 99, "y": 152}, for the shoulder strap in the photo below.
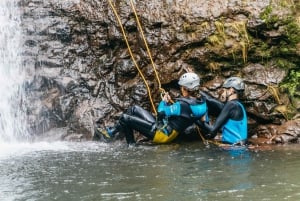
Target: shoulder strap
{"x": 190, "y": 101}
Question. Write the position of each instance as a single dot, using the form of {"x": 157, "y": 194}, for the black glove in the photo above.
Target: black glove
{"x": 206, "y": 134}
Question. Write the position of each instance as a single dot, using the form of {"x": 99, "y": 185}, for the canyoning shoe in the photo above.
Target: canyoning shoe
{"x": 104, "y": 134}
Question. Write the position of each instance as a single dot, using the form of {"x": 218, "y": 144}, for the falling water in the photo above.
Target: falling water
{"x": 12, "y": 75}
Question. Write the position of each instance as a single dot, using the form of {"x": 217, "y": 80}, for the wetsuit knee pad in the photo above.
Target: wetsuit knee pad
{"x": 124, "y": 119}
{"x": 133, "y": 110}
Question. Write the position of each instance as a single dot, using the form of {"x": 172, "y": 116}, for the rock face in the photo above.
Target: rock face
{"x": 80, "y": 71}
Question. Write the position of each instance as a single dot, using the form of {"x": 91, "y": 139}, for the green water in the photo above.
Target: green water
{"x": 191, "y": 171}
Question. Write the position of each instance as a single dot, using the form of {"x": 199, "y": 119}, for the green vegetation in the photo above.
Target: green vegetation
{"x": 285, "y": 63}
{"x": 292, "y": 86}
{"x": 231, "y": 38}
{"x": 268, "y": 17}
{"x": 292, "y": 31}
{"x": 292, "y": 83}
{"x": 289, "y": 39}
{"x": 283, "y": 49}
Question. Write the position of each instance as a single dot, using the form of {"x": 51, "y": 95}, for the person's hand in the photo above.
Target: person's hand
{"x": 166, "y": 97}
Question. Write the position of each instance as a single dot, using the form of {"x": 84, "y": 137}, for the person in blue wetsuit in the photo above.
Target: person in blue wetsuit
{"x": 232, "y": 117}
{"x": 171, "y": 120}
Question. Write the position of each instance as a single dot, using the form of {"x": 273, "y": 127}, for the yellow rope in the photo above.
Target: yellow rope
{"x": 131, "y": 54}
{"x": 206, "y": 142}
{"x": 146, "y": 45}
{"x": 150, "y": 56}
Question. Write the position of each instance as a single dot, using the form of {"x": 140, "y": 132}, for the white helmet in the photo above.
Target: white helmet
{"x": 189, "y": 80}
{"x": 234, "y": 82}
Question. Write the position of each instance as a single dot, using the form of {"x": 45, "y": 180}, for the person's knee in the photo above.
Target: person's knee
{"x": 124, "y": 119}
{"x": 131, "y": 110}
{"x": 135, "y": 109}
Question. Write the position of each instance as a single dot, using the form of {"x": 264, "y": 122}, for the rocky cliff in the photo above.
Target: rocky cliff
{"x": 80, "y": 71}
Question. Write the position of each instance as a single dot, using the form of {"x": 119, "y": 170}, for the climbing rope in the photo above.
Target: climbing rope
{"x": 206, "y": 142}
{"x": 162, "y": 91}
{"x": 131, "y": 54}
{"x": 146, "y": 45}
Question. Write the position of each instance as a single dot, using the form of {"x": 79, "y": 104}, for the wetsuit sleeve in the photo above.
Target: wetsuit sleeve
{"x": 214, "y": 106}
{"x": 169, "y": 110}
{"x": 225, "y": 115}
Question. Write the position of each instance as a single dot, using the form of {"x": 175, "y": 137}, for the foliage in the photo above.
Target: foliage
{"x": 268, "y": 17}
{"x": 292, "y": 83}
{"x": 285, "y": 63}
{"x": 292, "y": 31}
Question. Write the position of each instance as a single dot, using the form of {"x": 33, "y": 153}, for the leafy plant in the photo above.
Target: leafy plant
{"x": 293, "y": 82}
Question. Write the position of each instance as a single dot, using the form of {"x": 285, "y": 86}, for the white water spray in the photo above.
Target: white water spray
{"x": 12, "y": 74}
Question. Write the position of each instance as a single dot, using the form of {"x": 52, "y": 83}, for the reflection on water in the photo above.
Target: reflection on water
{"x": 95, "y": 171}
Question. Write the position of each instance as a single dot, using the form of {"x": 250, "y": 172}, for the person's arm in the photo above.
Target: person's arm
{"x": 211, "y": 130}
{"x": 214, "y": 106}
{"x": 164, "y": 108}
{"x": 169, "y": 110}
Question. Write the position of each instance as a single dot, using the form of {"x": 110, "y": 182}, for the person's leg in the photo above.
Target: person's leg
{"x": 128, "y": 132}
{"x": 137, "y": 115}
{"x": 135, "y": 118}
{"x": 140, "y": 112}
{"x": 135, "y": 123}
{"x": 139, "y": 119}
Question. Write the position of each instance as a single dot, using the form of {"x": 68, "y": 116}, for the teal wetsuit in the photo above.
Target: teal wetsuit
{"x": 232, "y": 119}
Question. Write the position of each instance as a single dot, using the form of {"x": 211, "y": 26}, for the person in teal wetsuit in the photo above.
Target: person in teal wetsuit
{"x": 171, "y": 120}
{"x": 232, "y": 117}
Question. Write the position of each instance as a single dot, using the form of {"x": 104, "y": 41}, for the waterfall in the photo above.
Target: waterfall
{"x": 12, "y": 74}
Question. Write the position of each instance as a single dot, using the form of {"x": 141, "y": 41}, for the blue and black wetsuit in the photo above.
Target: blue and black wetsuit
{"x": 232, "y": 119}
{"x": 172, "y": 119}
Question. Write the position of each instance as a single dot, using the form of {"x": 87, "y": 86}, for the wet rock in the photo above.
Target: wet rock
{"x": 263, "y": 75}
{"x": 288, "y": 132}
{"x": 80, "y": 70}
{"x": 290, "y": 128}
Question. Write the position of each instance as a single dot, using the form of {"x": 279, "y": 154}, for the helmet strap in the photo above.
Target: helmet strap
{"x": 184, "y": 91}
